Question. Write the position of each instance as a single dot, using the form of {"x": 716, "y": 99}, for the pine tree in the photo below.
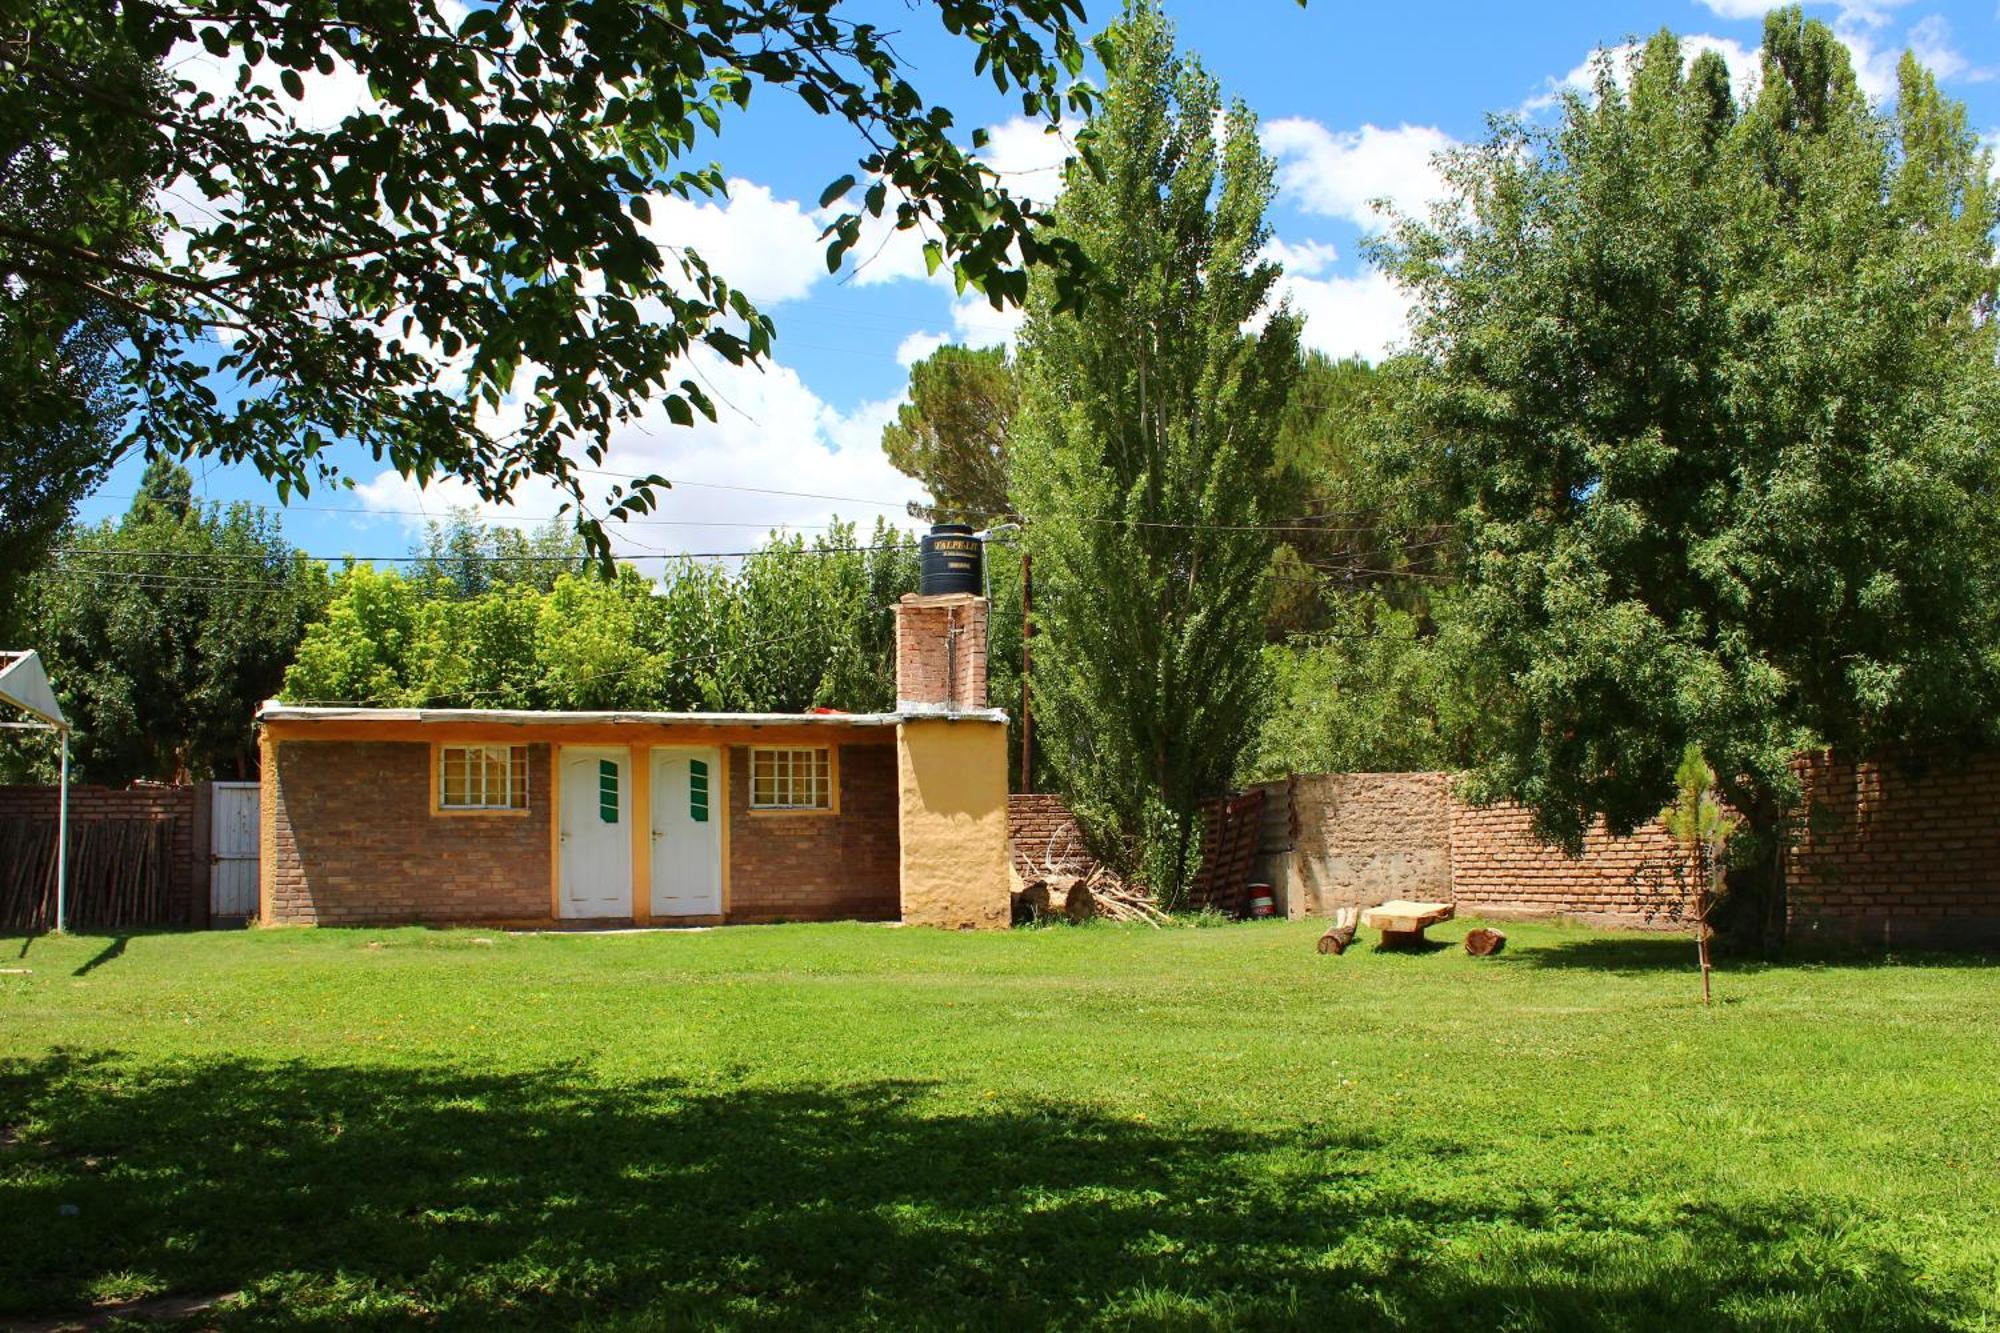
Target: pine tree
{"x": 1142, "y": 456}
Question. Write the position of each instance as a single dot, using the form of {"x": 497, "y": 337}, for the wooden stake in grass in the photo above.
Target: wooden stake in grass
{"x": 1702, "y": 827}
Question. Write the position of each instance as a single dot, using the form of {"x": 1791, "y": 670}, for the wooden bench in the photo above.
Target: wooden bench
{"x": 1403, "y": 923}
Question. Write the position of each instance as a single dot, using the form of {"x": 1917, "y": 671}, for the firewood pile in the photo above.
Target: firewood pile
{"x": 120, "y": 872}
{"x": 1070, "y": 884}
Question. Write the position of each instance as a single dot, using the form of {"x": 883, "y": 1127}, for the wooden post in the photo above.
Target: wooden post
{"x": 1027, "y": 633}
{"x": 62, "y": 840}
{"x": 1701, "y": 880}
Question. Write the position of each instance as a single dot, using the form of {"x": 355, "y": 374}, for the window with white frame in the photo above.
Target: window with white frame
{"x": 482, "y": 777}
{"x": 791, "y": 779}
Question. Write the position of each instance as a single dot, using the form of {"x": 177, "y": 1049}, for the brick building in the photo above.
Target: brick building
{"x": 375, "y": 816}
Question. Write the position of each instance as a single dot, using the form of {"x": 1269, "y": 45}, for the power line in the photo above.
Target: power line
{"x": 1302, "y": 524}
{"x": 93, "y": 553}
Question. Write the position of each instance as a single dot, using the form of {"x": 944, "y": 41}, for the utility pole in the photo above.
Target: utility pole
{"x": 1027, "y": 633}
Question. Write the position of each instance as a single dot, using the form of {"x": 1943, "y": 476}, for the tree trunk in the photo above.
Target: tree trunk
{"x": 1751, "y": 918}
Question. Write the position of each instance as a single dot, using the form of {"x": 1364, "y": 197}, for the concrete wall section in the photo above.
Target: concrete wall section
{"x": 1363, "y": 838}
{"x": 952, "y": 777}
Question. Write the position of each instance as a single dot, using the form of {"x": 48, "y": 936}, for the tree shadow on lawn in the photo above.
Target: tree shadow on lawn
{"x": 1633, "y": 954}
{"x": 375, "y": 1195}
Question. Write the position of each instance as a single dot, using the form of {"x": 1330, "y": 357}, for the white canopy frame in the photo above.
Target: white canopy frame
{"x": 25, "y": 685}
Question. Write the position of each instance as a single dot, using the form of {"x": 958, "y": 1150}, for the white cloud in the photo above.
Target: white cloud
{"x": 1304, "y": 259}
{"x": 1366, "y": 315}
{"x": 1867, "y": 13}
{"x": 767, "y": 246}
{"x": 917, "y": 346}
{"x": 773, "y": 433}
{"x": 1341, "y": 173}
{"x": 1742, "y": 9}
{"x": 1028, "y": 158}
{"x": 978, "y": 324}
{"x": 1931, "y": 41}
{"x": 1745, "y": 69}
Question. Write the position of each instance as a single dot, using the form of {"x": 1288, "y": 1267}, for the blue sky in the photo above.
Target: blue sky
{"x": 1354, "y": 101}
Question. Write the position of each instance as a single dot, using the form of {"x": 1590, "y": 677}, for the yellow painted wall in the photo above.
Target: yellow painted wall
{"x": 952, "y": 780}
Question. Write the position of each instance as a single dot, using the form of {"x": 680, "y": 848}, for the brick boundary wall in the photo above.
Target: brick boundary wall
{"x": 1898, "y": 851}
{"x": 1500, "y": 869}
{"x": 1036, "y": 822}
{"x": 184, "y": 806}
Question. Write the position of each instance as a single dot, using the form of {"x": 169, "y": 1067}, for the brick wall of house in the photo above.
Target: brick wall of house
{"x": 818, "y": 867}
{"x": 1900, "y": 853}
{"x": 941, "y": 652}
{"x": 181, "y": 806}
{"x": 354, "y": 841}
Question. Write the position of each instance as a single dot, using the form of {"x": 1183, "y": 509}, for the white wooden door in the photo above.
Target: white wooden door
{"x": 232, "y": 846}
{"x": 687, "y": 833}
{"x": 596, "y": 833}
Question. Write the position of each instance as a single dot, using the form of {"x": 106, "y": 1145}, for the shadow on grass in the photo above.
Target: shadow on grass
{"x": 370, "y": 1195}
{"x": 1631, "y": 954}
{"x": 113, "y": 949}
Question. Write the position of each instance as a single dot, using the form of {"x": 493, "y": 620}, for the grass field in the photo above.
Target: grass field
{"x": 848, "y": 1124}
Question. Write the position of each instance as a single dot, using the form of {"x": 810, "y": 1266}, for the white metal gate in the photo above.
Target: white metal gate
{"x": 232, "y": 891}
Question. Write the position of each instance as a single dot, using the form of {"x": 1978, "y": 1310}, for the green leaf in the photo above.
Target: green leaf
{"x": 836, "y": 191}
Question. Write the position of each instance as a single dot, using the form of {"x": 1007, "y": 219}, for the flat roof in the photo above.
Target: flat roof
{"x": 273, "y": 711}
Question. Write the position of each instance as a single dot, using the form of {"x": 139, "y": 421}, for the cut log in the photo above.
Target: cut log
{"x": 1080, "y": 904}
{"x": 1035, "y": 900}
{"x": 1341, "y": 933}
{"x": 1483, "y": 943}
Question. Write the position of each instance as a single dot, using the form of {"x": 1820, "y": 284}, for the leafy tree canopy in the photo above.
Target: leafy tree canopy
{"x": 1342, "y": 527}
{"x": 1378, "y": 689}
{"x": 799, "y": 625}
{"x": 1708, "y": 392}
{"x": 1142, "y": 457}
{"x": 461, "y": 276}
{"x": 164, "y": 630}
{"x": 58, "y": 340}
{"x": 474, "y": 557}
{"x": 952, "y": 433}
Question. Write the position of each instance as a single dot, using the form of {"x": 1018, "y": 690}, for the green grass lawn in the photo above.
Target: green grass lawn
{"x": 848, "y": 1124}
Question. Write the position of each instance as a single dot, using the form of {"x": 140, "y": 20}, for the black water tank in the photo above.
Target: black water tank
{"x": 951, "y": 559}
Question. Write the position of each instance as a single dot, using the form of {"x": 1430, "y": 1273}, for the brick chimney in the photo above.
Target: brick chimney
{"x": 941, "y": 653}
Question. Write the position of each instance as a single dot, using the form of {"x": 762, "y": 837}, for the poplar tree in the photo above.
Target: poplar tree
{"x": 1142, "y": 457}
{"x": 1708, "y": 393}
